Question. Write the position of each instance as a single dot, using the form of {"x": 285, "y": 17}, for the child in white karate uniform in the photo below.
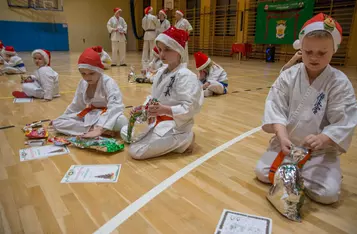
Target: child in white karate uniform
{"x": 180, "y": 98}
{"x": 97, "y": 106}
{"x": 13, "y": 64}
{"x": 212, "y": 76}
{"x": 313, "y": 105}
{"x": 44, "y": 82}
{"x": 104, "y": 56}
{"x": 154, "y": 66}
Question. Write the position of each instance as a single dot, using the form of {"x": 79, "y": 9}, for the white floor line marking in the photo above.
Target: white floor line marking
{"x": 117, "y": 220}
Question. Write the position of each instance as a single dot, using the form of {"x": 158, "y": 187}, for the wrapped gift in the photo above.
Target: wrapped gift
{"x": 287, "y": 193}
{"x": 36, "y": 133}
{"x": 103, "y": 144}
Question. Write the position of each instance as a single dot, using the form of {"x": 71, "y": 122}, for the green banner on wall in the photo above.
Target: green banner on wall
{"x": 280, "y": 22}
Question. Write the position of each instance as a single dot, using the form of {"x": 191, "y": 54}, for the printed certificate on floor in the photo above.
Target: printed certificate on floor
{"x": 42, "y": 152}
{"x": 23, "y": 100}
{"x": 92, "y": 174}
{"x": 232, "y": 222}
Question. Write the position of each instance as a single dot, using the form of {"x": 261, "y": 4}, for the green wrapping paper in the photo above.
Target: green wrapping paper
{"x": 103, "y": 144}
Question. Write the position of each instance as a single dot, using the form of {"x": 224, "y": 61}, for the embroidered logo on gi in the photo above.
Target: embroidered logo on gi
{"x": 169, "y": 87}
{"x": 317, "y": 106}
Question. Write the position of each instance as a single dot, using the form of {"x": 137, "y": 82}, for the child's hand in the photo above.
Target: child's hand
{"x": 285, "y": 145}
{"x": 297, "y": 55}
{"x": 158, "y": 109}
{"x": 205, "y": 86}
{"x": 316, "y": 142}
{"x": 96, "y": 132}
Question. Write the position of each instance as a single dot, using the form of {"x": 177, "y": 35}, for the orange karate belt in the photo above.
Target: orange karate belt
{"x": 279, "y": 159}
{"x": 161, "y": 118}
{"x": 89, "y": 109}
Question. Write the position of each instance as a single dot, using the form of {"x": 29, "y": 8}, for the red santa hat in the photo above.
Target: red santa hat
{"x": 9, "y": 50}
{"x": 180, "y": 12}
{"x": 46, "y": 55}
{"x": 98, "y": 49}
{"x": 116, "y": 10}
{"x": 163, "y": 12}
{"x": 202, "y": 60}
{"x": 321, "y": 22}
{"x": 90, "y": 59}
{"x": 174, "y": 38}
{"x": 148, "y": 10}
{"x": 156, "y": 51}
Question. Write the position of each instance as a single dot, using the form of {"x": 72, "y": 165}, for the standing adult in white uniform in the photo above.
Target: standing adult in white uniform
{"x": 182, "y": 23}
{"x": 117, "y": 28}
{"x": 164, "y": 24}
{"x": 149, "y": 24}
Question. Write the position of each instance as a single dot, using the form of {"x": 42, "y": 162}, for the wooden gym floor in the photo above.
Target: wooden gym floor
{"x": 32, "y": 200}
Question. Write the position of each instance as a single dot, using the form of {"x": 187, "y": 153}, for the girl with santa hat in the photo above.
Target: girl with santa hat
{"x": 213, "y": 77}
{"x": 179, "y": 96}
{"x": 97, "y": 107}
{"x": 13, "y": 64}
{"x": 44, "y": 81}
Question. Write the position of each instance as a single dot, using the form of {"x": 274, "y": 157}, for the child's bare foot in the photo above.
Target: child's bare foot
{"x": 189, "y": 150}
{"x": 109, "y": 133}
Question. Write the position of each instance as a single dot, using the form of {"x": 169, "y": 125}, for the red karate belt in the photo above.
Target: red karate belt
{"x": 279, "y": 159}
{"x": 89, "y": 109}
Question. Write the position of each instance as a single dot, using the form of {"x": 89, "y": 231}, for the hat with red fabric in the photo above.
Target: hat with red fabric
{"x": 180, "y": 12}
{"x": 324, "y": 23}
{"x": 156, "y": 51}
{"x": 9, "y": 50}
{"x": 174, "y": 38}
{"x": 163, "y": 12}
{"x": 148, "y": 10}
{"x": 116, "y": 10}
{"x": 90, "y": 59}
{"x": 202, "y": 60}
{"x": 98, "y": 49}
{"x": 45, "y": 53}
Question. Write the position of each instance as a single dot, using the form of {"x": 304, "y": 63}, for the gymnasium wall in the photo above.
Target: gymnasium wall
{"x": 83, "y": 20}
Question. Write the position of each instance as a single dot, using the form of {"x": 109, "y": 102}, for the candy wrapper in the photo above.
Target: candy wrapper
{"x": 59, "y": 141}
{"x": 287, "y": 193}
{"x": 103, "y": 144}
{"x": 36, "y": 133}
{"x": 139, "y": 115}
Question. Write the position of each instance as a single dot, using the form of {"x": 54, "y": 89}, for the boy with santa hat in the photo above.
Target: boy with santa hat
{"x": 179, "y": 96}
{"x": 212, "y": 76}
{"x": 182, "y": 23}
{"x": 104, "y": 56}
{"x": 44, "y": 81}
{"x": 312, "y": 105}
{"x": 164, "y": 24}
{"x": 149, "y": 24}
{"x": 13, "y": 64}
{"x": 97, "y": 106}
{"x": 117, "y": 28}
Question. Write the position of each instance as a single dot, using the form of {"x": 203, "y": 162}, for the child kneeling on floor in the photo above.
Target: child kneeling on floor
{"x": 313, "y": 105}
{"x": 212, "y": 76}
{"x": 97, "y": 107}
{"x": 153, "y": 68}
{"x": 13, "y": 64}
{"x": 180, "y": 97}
{"x": 44, "y": 81}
